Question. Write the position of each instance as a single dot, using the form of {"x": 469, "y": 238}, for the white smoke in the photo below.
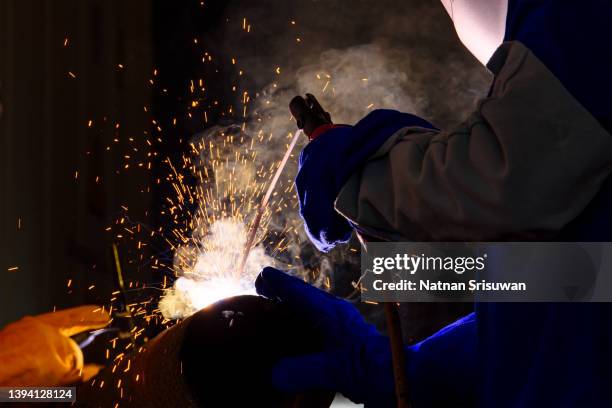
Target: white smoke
{"x": 212, "y": 273}
{"x": 350, "y": 82}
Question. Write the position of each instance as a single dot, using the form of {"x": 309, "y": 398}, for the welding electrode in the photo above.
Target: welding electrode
{"x": 264, "y": 203}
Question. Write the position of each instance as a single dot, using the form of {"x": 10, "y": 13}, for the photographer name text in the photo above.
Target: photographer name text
{"x": 430, "y": 285}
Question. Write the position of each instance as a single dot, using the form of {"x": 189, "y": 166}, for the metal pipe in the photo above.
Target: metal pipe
{"x": 221, "y": 356}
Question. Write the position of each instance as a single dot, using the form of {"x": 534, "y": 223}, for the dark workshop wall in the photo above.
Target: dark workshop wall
{"x": 52, "y": 222}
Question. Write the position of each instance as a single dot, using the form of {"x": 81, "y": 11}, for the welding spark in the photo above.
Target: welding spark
{"x": 218, "y": 256}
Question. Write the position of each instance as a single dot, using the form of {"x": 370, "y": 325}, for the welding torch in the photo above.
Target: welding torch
{"x": 311, "y": 117}
{"x": 309, "y": 114}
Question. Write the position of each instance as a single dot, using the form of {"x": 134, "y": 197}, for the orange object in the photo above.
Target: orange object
{"x": 38, "y": 351}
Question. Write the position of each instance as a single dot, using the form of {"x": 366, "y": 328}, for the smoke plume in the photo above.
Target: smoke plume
{"x": 355, "y": 57}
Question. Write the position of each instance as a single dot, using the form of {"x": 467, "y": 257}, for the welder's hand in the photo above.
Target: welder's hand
{"x": 38, "y": 351}
{"x": 309, "y": 114}
{"x": 356, "y": 359}
{"x": 327, "y": 163}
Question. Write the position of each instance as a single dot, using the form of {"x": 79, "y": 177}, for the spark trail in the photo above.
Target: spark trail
{"x": 217, "y": 255}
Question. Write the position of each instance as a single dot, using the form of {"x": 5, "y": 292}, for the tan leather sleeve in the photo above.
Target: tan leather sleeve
{"x": 522, "y": 166}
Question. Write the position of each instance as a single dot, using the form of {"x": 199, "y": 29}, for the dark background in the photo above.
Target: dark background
{"x": 68, "y": 190}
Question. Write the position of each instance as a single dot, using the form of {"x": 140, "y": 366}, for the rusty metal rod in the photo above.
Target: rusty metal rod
{"x": 398, "y": 353}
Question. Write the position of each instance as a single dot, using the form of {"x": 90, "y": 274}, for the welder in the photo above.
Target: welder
{"x": 531, "y": 163}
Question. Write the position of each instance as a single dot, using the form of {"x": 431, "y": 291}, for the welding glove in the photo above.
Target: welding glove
{"x": 327, "y": 163}
{"x": 356, "y": 359}
{"x": 38, "y": 351}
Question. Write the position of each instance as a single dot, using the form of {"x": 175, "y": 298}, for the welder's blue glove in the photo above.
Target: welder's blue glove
{"x": 329, "y": 160}
{"x": 356, "y": 359}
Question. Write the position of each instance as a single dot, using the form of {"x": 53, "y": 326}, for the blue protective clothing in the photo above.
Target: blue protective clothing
{"x": 356, "y": 359}
{"x": 568, "y": 37}
{"x": 565, "y": 358}
{"x": 505, "y": 355}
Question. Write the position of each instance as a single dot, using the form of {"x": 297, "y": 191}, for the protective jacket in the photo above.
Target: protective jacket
{"x": 508, "y": 172}
{"x": 526, "y": 165}
{"x": 503, "y": 175}
{"x": 517, "y": 168}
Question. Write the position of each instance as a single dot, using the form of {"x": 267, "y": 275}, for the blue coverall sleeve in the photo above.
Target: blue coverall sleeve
{"x": 448, "y": 360}
{"x": 328, "y": 161}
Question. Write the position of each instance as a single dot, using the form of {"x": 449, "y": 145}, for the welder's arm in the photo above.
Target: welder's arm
{"x": 38, "y": 351}
{"x": 356, "y": 359}
{"x": 522, "y": 166}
